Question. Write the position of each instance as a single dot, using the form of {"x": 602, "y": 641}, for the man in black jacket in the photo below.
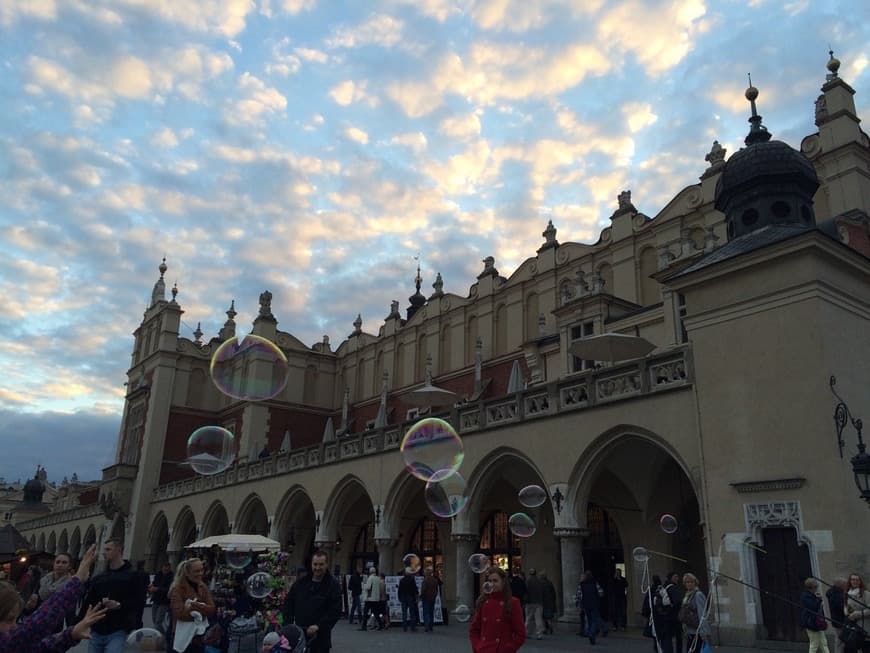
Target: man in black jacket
{"x": 408, "y": 597}
{"x": 314, "y": 604}
{"x": 355, "y": 587}
{"x": 119, "y": 590}
{"x": 836, "y": 604}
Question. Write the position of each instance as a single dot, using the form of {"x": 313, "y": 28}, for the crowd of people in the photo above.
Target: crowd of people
{"x": 53, "y": 611}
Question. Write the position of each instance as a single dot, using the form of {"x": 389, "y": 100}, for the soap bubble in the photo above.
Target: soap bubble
{"x": 487, "y": 588}
{"x": 430, "y": 446}
{"x": 412, "y": 563}
{"x": 210, "y": 450}
{"x": 462, "y": 613}
{"x": 532, "y": 496}
{"x": 668, "y": 524}
{"x": 445, "y": 493}
{"x": 250, "y": 368}
{"x": 522, "y": 525}
{"x": 478, "y": 562}
{"x": 640, "y": 554}
{"x": 145, "y": 639}
{"x": 259, "y": 585}
{"x": 238, "y": 559}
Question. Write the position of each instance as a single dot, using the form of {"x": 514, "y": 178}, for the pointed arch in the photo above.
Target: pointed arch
{"x": 41, "y": 541}
{"x": 183, "y": 530}
{"x": 252, "y": 517}
{"x": 216, "y": 521}
{"x": 51, "y": 544}
{"x": 90, "y": 537}
{"x": 75, "y": 543}
{"x": 63, "y": 542}
{"x": 346, "y": 494}
{"x": 158, "y": 542}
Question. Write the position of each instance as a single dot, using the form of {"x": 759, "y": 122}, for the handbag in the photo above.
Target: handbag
{"x": 706, "y": 648}
{"x": 852, "y": 635}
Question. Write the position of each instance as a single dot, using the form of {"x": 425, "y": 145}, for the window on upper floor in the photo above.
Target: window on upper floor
{"x": 578, "y": 332}
{"x": 681, "y": 317}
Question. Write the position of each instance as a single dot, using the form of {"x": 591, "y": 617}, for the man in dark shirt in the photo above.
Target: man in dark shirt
{"x": 408, "y": 598}
{"x": 314, "y": 604}
{"x": 355, "y": 587}
{"x": 160, "y": 596}
{"x": 119, "y": 591}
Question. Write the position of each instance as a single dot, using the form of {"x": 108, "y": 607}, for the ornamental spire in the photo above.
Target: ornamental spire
{"x": 757, "y": 132}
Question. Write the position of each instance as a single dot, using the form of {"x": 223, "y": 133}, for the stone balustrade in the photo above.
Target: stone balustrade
{"x": 646, "y": 376}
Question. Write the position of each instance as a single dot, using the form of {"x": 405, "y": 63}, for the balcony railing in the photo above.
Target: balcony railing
{"x": 62, "y": 516}
{"x": 643, "y": 377}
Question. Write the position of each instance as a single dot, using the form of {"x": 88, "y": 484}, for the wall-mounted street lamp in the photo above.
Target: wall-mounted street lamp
{"x": 860, "y": 461}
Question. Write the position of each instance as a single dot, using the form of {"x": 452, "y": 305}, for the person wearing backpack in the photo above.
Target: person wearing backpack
{"x": 657, "y": 608}
{"x": 692, "y": 614}
{"x": 811, "y": 611}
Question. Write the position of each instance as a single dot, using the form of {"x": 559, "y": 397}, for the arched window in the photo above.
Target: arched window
{"x": 470, "y": 339}
{"x": 500, "y": 545}
{"x": 422, "y": 353}
{"x": 650, "y": 293}
{"x": 400, "y": 365}
{"x": 309, "y": 385}
{"x": 605, "y": 271}
{"x": 446, "y": 365}
{"x": 426, "y": 544}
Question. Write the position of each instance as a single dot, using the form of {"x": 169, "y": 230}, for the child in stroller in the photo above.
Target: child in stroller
{"x": 289, "y": 638}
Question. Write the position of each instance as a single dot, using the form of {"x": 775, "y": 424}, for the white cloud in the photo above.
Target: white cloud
{"x": 164, "y": 138}
{"x": 224, "y": 17}
{"x": 461, "y": 127}
{"x": 638, "y": 115}
{"x": 310, "y": 54}
{"x": 348, "y": 91}
{"x": 257, "y": 102}
{"x": 415, "y": 140}
{"x": 13, "y": 10}
{"x": 283, "y": 64}
{"x": 356, "y": 134}
{"x": 381, "y": 30}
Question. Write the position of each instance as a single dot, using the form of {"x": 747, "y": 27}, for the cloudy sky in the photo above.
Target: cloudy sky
{"x": 315, "y": 147}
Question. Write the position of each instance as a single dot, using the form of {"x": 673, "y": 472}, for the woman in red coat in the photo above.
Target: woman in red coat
{"x": 498, "y": 625}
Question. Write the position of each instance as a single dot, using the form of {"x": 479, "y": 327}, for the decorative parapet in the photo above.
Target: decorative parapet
{"x": 643, "y": 377}
{"x": 63, "y": 516}
{"x": 769, "y": 486}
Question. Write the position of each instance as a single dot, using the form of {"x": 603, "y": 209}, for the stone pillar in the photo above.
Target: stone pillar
{"x": 572, "y": 565}
{"x": 386, "y": 548}
{"x": 465, "y": 545}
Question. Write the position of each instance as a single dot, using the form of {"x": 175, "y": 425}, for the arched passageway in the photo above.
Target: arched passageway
{"x": 183, "y": 533}
{"x": 75, "y": 544}
{"x": 158, "y": 543}
{"x": 348, "y": 510}
{"x": 51, "y": 545}
{"x": 295, "y": 525}
{"x": 252, "y": 518}
{"x": 215, "y": 522}
{"x": 63, "y": 543}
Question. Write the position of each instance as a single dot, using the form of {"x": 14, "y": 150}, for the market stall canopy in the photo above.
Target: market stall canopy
{"x": 611, "y": 347}
{"x": 11, "y": 543}
{"x": 237, "y": 542}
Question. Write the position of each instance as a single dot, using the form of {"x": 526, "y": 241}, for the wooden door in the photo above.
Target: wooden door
{"x": 782, "y": 570}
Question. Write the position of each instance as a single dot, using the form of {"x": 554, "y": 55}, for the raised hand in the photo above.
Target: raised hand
{"x": 82, "y": 630}
{"x": 84, "y": 570}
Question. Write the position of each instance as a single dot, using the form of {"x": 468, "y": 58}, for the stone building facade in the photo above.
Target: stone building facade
{"x": 753, "y": 286}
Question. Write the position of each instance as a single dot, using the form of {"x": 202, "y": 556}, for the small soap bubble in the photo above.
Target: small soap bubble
{"x": 478, "y": 562}
{"x": 462, "y": 613}
{"x": 431, "y": 446}
{"x": 145, "y": 639}
{"x": 412, "y": 563}
{"x": 249, "y": 368}
{"x": 668, "y": 524}
{"x": 640, "y": 554}
{"x": 532, "y": 496}
{"x": 210, "y": 450}
{"x": 238, "y": 559}
{"x": 259, "y": 585}
{"x": 522, "y": 525}
{"x": 487, "y": 588}
{"x": 445, "y": 493}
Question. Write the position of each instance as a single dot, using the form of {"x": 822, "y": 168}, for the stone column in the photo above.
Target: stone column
{"x": 572, "y": 565}
{"x": 464, "y": 583}
{"x": 386, "y": 548}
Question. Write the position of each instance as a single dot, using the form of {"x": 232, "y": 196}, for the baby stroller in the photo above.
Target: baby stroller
{"x": 290, "y": 638}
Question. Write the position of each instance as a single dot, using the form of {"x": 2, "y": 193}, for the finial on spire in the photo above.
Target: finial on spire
{"x": 357, "y": 324}
{"x": 162, "y": 267}
{"x": 231, "y": 312}
{"x": 158, "y": 293}
{"x": 757, "y": 132}
{"x": 174, "y": 292}
{"x": 833, "y": 65}
{"x": 418, "y": 280}
{"x": 197, "y": 335}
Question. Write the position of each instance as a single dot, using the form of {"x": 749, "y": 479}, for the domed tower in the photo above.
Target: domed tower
{"x": 765, "y": 183}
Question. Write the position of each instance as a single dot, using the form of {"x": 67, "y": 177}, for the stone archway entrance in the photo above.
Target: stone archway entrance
{"x": 348, "y": 511}
{"x": 158, "y": 544}
{"x": 295, "y": 526}
{"x": 252, "y": 518}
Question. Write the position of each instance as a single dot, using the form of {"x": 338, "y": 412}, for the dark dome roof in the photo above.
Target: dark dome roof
{"x": 773, "y": 160}
{"x": 33, "y": 490}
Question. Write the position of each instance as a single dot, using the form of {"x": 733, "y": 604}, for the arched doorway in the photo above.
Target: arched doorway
{"x": 41, "y": 542}
{"x": 252, "y": 518}
{"x": 90, "y": 538}
{"x": 502, "y": 547}
{"x": 364, "y": 553}
{"x": 51, "y": 545}
{"x": 426, "y": 543}
{"x": 183, "y": 533}
{"x": 158, "y": 543}
{"x": 63, "y": 543}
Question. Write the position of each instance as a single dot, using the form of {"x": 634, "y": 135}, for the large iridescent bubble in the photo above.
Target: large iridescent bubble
{"x": 210, "y": 450}
{"x": 431, "y": 446}
{"x": 446, "y": 493}
{"x": 250, "y": 368}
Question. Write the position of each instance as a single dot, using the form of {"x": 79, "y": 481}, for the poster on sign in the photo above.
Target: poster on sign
{"x": 394, "y": 606}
